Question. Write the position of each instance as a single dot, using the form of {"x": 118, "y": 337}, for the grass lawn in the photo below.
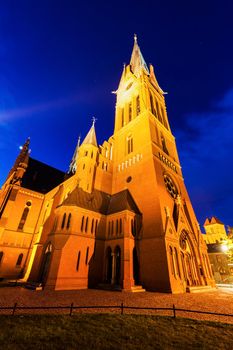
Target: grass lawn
{"x": 111, "y": 331}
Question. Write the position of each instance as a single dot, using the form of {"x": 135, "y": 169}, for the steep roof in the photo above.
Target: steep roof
{"x": 41, "y": 177}
{"x": 212, "y": 220}
{"x": 137, "y": 61}
{"x": 90, "y": 139}
{"x": 102, "y": 202}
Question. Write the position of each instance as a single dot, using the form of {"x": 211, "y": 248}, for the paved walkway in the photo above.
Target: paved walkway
{"x": 219, "y": 300}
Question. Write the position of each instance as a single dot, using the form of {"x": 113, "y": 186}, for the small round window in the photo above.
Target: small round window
{"x": 170, "y": 186}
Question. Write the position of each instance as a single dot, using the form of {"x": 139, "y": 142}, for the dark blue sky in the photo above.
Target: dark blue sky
{"x": 60, "y": 60}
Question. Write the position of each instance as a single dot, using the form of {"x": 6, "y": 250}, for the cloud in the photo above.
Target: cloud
{"x": 206, "y": 157}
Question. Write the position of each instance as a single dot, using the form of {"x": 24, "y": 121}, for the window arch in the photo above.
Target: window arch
{"x": 96, "y": 226}
{"x": 63, "y": 221}
{"x": 120, "y": 228}
{"x": 112, "y": 227}
{"x": 78, "y": 261}
{"x": 116, "y": 227}
{"x": 152, "y": 107}
{"x": 138, "y": 110}
{"x": 86, "y": 226}
{"x": 109, "y": 228}
{"x": 171, "y": 260}
{"x": 92, "y": 225}
{"x": 1, "y": 257}
{"x": 177, "y": 262}
{"x": 87, "y": 254}
{"x": 19, "y": 260}
{"x": 158, "y": 112}
{"x": 130, "y": 111}
{"x": 68, "y": 221}
{"x": 82, "y": 224}
{"x": 129, "y": 144}
{"x": 23, "y": 218}
{"x": 164, "y": 146}
{"x": 122, "y": 117}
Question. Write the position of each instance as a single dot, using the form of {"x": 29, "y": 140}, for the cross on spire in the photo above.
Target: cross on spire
{"x": 93, "y": 121}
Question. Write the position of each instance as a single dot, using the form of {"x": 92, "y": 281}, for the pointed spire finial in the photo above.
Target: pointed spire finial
{"x": 93, "y": 121}
{"x": 135, "y": 38}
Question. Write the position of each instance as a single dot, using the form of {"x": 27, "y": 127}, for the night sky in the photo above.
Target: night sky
{"x": 60, "y": 60}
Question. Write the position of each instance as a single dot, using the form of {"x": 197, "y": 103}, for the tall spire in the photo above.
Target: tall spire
{"x": 137, "y": 61}
{"x": 73, "y": 163}
{"x": 90, "y": 139}
{"x": 22, "y": 159}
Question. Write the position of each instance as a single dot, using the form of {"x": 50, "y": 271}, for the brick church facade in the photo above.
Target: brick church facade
{"x": 121, "y": 217}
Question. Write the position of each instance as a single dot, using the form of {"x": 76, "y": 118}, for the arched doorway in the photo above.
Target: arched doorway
{"x": 45, "y": 264}
{"x": 188, "y": 259}
{"x": 108, "y": 260}
{"x": 135, "y": 267}
{"x": 118, "y": 265}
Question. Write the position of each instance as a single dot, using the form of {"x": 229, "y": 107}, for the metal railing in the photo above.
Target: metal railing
{"x": 122, "y": 309}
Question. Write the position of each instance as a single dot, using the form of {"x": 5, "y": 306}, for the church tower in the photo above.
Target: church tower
{"x": 172, "y": 254}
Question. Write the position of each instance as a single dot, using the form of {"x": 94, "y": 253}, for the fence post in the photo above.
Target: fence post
{"x": 174, "y": 311}
{"x": 14, "y": 308}
{"x": 71, "y": 308}
{"x": 122, "y": 308}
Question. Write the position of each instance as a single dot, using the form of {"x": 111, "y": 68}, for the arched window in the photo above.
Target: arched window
{"x": 23, "y": 218}
{"x": 116, "y": 227}
{"x": 137, "y": 105}
{"x": 87, "y": 253}
{"x": 177, "y": 262}
{"x": 92, "y": 154}
{"x": 96, "y": 226}
{"x": 68, "y": 221}
{"x": 120, "y": 230}
{"x": 92, "y": 225}
{"x": 129, "y": 144}
{"x": 164, "y": 118}
{"x": 130, "y": 112}
{"x": 82, "y": 224}
{"x": 55, "y": 223}
{"x": 19, "y": 260}
{"x": 158, "y": 112}
{"x": 112, "y": 227}
{"x": 109, "y": 228}
{"x": 171, "y": 260}
{"x": 1, "y": 257}
{"x": 152, "y": 107}
{"x": 63, "y": 221}
{"x": 78, "y": 261}
{"x": 86, "y": 226}
{"x": 122, "y": 117}
{"x": 164, "y": 145}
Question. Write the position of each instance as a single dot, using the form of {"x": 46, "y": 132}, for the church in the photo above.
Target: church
{"x": 120, "y": 218}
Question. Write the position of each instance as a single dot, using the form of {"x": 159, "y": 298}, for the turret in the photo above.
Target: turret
{"x": 86, "y": 160}
{"x": 16, "y": 173}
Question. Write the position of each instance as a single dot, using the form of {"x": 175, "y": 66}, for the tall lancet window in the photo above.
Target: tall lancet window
{"x": 129, "y": 144}
{"x": 130, "y": 112}
{"x": 152, "y": 106}
{"x": 137, "y": 105}
{"x": 122, "y": 117}
{"x": 24, "y": 216}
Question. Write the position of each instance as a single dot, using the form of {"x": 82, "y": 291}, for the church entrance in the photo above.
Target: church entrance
{"x": 135, "y": 267}
{"x": 45, "y": 264}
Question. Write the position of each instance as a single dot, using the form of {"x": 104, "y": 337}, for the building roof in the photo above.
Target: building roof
{"x": 41, "y": 177}
{"x": 212, "y": 220}
{"x": 137, "y": 61}
{"x": 90, "y": 139}
{"x": 102, "y": 202}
